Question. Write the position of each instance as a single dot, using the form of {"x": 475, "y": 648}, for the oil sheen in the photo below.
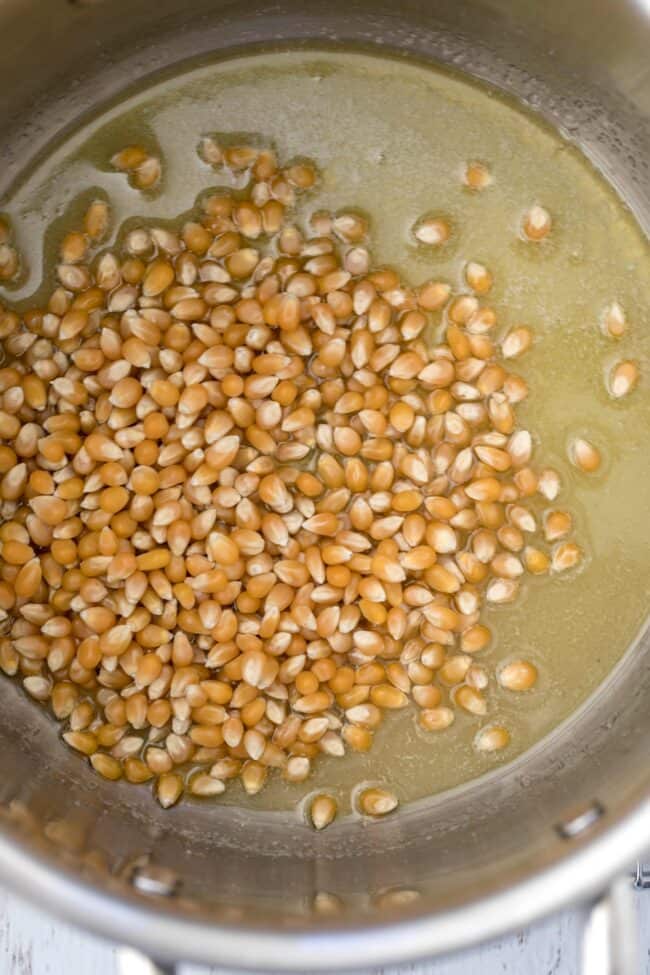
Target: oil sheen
{"x": 390, "y": 137}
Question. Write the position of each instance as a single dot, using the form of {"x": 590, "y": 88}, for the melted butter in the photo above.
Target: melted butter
{"x": 391, "y": 137}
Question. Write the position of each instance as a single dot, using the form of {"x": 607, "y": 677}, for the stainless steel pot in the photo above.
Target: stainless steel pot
{"x": 219, "y": 885}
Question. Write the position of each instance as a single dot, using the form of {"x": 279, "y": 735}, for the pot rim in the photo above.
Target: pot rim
{"x": 585, "y": 872}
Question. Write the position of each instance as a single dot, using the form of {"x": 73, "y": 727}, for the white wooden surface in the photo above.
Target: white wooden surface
{"x": 32, "y": 943}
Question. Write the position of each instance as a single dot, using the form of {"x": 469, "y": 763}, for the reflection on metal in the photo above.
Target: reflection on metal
{"x": 132, "y": 962}
{"x": 580, "y": 820}
{"x": 609, "y": 942}
{"x": 642, "y": 876}
{"x": 155, "y": 880}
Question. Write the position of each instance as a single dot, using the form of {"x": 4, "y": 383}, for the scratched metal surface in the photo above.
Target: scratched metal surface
{"x": 32, "y": 943}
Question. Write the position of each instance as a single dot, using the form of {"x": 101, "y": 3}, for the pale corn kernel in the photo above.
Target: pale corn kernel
{"x": 205, "y": 786}
{"x": 37, "y": 687}
{"x": 565, "y": 556}
{"x": 492, "y": 739}
{"x": 454, "y": 669}
{"x": 516, "y": 342}
{"x": 432, "y": 231}
{"x": 169, "y": 789}
{"x": 359, "y": 739}
{"x": 350, "y": 227}
{"x": 475, "y": 638}
{"x": 9, "y": 262}
{"x": 584, "y": 455}
{"x": 128, "y": 158}
{"x": 469, "y": 699}
{"x": 74, "y": 247}
{"x": 622, "y": 379}
{"x": 537, "y": 223}
{"x": 502, "y": 591}
{"x": 147, "y": 174}
{"x": 478, "y": 277}
{"x": 557, "y": 524}
{"x": 106, "y": 766}
{"x": 549, "y": 484}
{"x": 433, "y": 295}
{"x": 96, "y": 220}
{"x": 136, "y": 771}
{"x": 537, "y": 562}
{"x": 425, "y": 696}
{"x": 81, "y": 741}
{"x": 388, "y": 697}
{"x": 520, "y": 675}
{"x": 613, "y": 321}
{"x": 436, "y": 719}
{"x": 377, "y": 802}
{"x": 476, "y": 175}
{"x": 253, "y": 776}
{"x": 322, "y": 811}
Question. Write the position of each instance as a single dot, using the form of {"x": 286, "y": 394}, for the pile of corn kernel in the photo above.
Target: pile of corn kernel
{"x": 255, "y": 492}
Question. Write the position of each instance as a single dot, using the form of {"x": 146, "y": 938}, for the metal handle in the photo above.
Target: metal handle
{"x": 132, "y": 962}
{"x": 609, "y": 940}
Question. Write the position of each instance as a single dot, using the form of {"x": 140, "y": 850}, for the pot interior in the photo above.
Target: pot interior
{"x": 227, "y": 869}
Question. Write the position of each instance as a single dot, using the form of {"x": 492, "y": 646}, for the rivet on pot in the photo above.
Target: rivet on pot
{"x": 155, "y": 881}
{"x": 398, "y": 897}
{"x": 580, "y": 819}
{"x": 326, "y": 904}
{"x": 642, "y": 876}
